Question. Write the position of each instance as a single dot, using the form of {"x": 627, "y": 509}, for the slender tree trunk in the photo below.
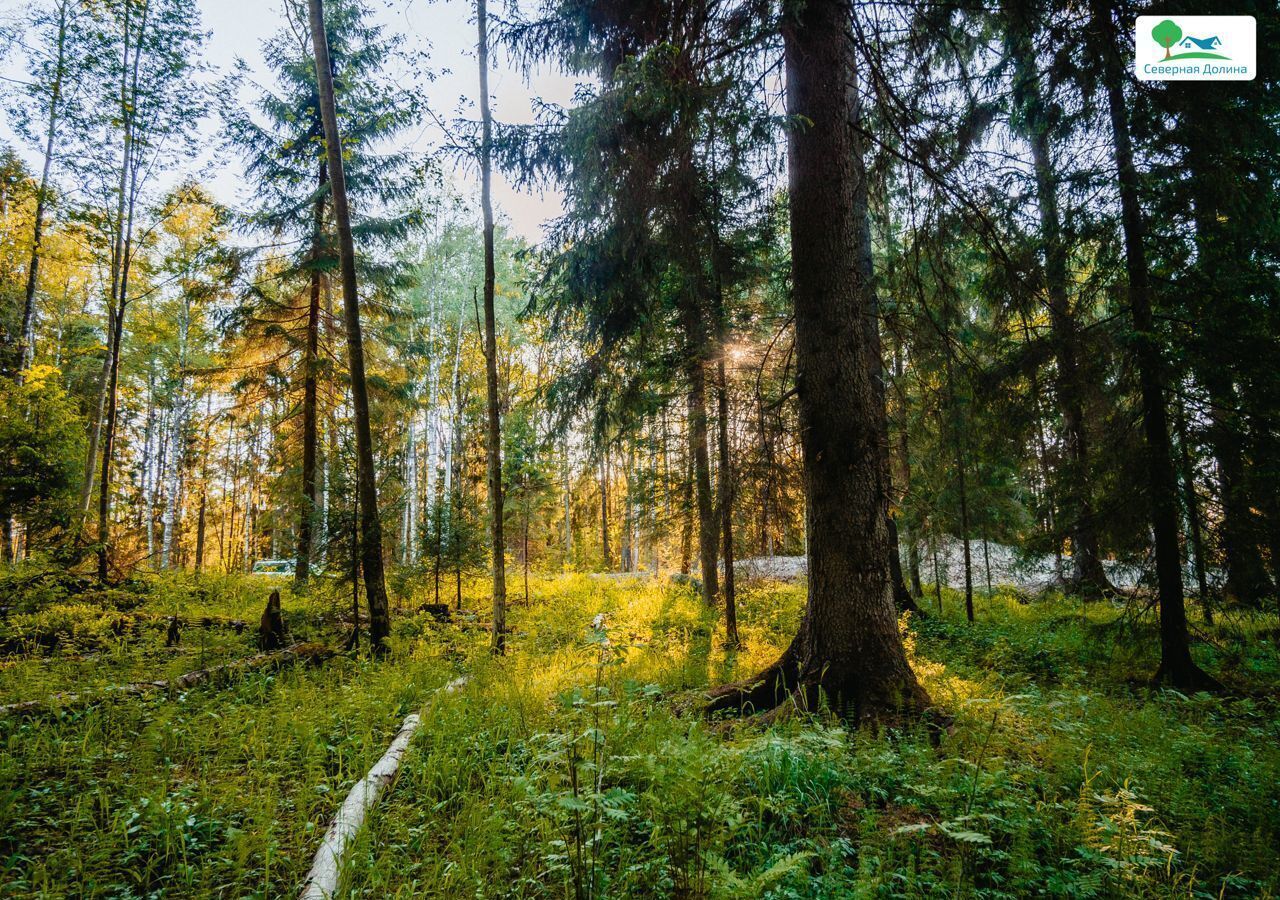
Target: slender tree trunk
{"x": 1042, "y": 458}
{"x": 108, "y": 440}
{"x": 1087, "y": 576}
{"x": 310, "y": 394}
{"x": 626, "y": 549}
{"x": 200, "y": 525}
{"x": 371, "y": 525}
{"x": 1193, "y": 511}
{"x": 686, "y": 509}
{"x": 1246, "y": 573}
{"x": 1176, "y": 664}
{"x": 986, "y": 561}
{"x": 848, "y": 645}
{"x": 961, "y": 467}
{"x": 937, "y": 576}
{"x": 568, "y": 507}
{"x": 177, "y": 425}
{"x": 122, "y": 257}
{"x": 605, "y": 551}
{"x": 499, "y": 640}
{"x": 146, "y": 510}
{"x": 26, "y": 334}
{"x": 913, "y": 566}
{"x": 902, "y": 598}
{"x": 727, "y": 490}
{"x": 708, "y": 526}
{"x": 95, "y": 431}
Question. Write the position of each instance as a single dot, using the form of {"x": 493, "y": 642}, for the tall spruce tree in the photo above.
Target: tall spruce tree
{"x": 281, "y": 138}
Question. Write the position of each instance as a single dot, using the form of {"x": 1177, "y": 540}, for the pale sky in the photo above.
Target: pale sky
{"x": 444, "y": 29}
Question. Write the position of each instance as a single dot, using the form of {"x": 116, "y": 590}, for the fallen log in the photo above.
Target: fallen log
{"x": 313, "y": 653}
{"x": 326, "y": 868}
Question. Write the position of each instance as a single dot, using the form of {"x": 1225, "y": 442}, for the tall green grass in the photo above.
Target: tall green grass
{"x": 580, "y": 764}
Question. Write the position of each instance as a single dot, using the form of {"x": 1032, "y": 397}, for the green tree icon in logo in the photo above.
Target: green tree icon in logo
{"x": 1167, "y": 33}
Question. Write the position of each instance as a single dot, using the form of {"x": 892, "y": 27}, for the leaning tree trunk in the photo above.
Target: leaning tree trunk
{"x": 1176, "y": 664}
{"x": 848, "y": 644}
{"x": 498, "y": 643}
{"x": 375, "y": 587}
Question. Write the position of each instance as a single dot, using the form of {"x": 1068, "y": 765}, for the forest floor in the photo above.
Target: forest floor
{"x": 580, "y": 765}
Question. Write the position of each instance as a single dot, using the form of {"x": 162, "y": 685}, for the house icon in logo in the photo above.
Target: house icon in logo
{"x": 1169, "y": 34}
{"x": 1210, "y": 43}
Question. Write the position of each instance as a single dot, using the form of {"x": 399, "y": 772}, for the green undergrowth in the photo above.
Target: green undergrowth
{"x": 580, "y": 765}
{"x": 66, "y": 634}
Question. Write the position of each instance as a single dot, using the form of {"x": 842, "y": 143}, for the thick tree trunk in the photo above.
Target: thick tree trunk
{"x": 310, "y": 395}
{"x": 498, "y": 642}
{"x": 848, "y": 646}
{"x": 1176, "y": 665}
{"x": 371, "y": 525}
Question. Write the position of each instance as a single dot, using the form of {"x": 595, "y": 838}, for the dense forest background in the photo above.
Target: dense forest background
{"x": 1061, "y": 287}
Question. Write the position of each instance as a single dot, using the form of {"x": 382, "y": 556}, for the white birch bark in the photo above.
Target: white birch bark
{"x": 326, "y": 869}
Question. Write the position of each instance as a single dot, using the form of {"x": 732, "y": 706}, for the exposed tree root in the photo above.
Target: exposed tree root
{"x": 783, "y": 689}
{"x": 1188, "y": 678}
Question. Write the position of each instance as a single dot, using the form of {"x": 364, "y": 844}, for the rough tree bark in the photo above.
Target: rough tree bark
{"x": 375, "y": 587}
{"x": 848, "y": 645}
